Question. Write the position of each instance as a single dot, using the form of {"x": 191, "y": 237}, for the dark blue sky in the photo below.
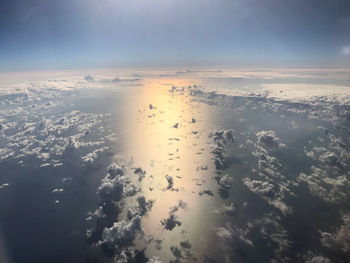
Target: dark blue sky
{"x": 60, "y": 34}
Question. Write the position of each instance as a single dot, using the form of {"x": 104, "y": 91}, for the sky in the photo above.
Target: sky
{"x": 65, "y": 34}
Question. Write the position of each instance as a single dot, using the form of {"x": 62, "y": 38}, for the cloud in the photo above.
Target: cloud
{"x": 142, "y": 208}
{"x": 89, "y": 78}
{"x": 226, "y": 181}
{"x": 114, "y": 170}
{"x": 260, "y": 187}
{"x": 318, "y": 259}
{"x": 207, "y": 192}
{"x": 111, "y": 189}
{"x": 35, "y": 126}
{"x": 154, "y": 259}
{"x": 57, "y": 190}
{"x": 332, "y": 189}
{"x": 340, "y": 239}
{"x": 229, "y": 210}
{"x": 176, "y": 252}
{"x": 170, "y": 181}
{"x": 109, "y": 79}
{"x": 234, "y": 234}
{"x": 185, "y": 245}
{"x": 116, "y": 184}
{"x": 4, "y": 185}
{"x": 268, "y": 139}
{"x": 171, "y": 222}
{"x": 122, "y": 233}
{"x": 268, "y": 192}
{"x": 91, "y": 157}
{"x": 220, "y": 139}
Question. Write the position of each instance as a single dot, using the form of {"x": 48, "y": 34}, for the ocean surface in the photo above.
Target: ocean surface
{"x": 194, "y": 165}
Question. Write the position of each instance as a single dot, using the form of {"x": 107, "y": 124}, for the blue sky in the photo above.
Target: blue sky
{"x": 63, "y": 34}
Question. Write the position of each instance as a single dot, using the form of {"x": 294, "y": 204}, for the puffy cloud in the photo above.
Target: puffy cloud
{"x": 234, "y": 234}
{"x": 268, "y": 139}
{"x": 122, "y": 233}
{"x": 229, "y": 210}
{"x": 98, "y": 213}
{"x": 34, "y": 127}
{"x": 111, "y": 189}
{"x": 170, "y": 181}
{"x": 340, "y": 239}
{"x": 115, "y": 170}
{"x": 91, "y": 157}
{"x": 275, "y": 235}
{"x": 142, "y": 208}
{"x": 226, "y": 181}
{"x": 260, "y": 187}
{"x": 268, "y": 192}
{"x": 207, "y": 192}
{"x": 220, "y": 139}
{"x": 141, "y": 173}
{"x": 154, "y": 259}
{"x": 116, "y": 184}
{"x": 171, "y": 222}
{"x": 331, "y": 187}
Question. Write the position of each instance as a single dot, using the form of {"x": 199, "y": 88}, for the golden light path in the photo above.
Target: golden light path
{"x": 183, "y": 153}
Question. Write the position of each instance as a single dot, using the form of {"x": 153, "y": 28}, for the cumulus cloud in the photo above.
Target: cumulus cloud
{"x": 116, "y": 184}
{"x": 268, "y": 192}
{"x": 170, "y": 181}
{"x": 142, "y": 208}
{"x": 220, "y": 139}
{"x": 206, "y": 192}
{"x": 229, "y": 210}
{"x": 234, "y": 234}
{"x": 171, "y": 222}
{"x": 114, "y": 170}
{"x": 122, "y": 233}
{"x": 91, "y": 157}
{"x": 32, "y": 127}
{"x": 268, "y": 139}
{"x": 326, "y": 184}
{"x": 260, "y": 187}
{"x": 226, "y": 181}
{"x": 111, "y": 189}
{"x": 154, "y": 259}
{"x": 340, "y": 239}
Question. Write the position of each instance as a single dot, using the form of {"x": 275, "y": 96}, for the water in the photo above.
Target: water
{"x": 162, "y": 127}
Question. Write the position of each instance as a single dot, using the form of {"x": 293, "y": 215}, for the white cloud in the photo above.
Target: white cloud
{"x": 220, "y": 139}
{"x": 226, "y": 181}
{"x": 4, "y": 185}
{"x": 122, "y": 233}
{"x": 154, "y": 259}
